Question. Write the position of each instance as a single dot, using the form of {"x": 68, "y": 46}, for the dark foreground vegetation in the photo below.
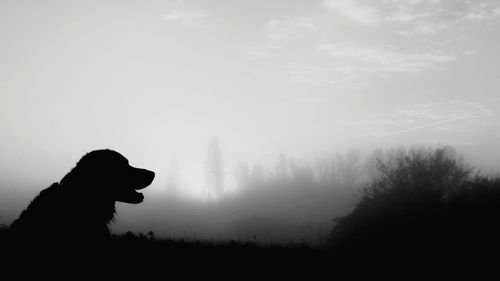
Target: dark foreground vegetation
{"x": 138, "y": 254}
{"x": 425, "y": 209}
{"x": 425, "y": 205}
{"x": 140, "y": 250}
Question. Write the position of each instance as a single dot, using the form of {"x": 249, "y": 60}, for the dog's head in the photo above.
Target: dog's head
{"x": 112, "y": 174}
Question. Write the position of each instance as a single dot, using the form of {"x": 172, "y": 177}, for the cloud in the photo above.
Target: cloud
{"x": 262, "y": 50}
{"x": 278, "y": 32}
{"x": 309, "y": 75}
{"x": 475, "y": 16}
{"x": 189, "y": 18}
{"x": 424, "y": 28}
{"x": 471, "y": 114}
{"x": 480, "y": 10}
{"x": 352, "y": 62}
{"x": 427, "y": 125}
{"x": 349, "y": 63}
{"x": 359, "y": 13}
{"x": 443, "y": 116}
{"x": 311, "y": 100}
{"x": 386, "y": 58}
{"x": 317, "y": 76}
{"x": 415, "y": 17}
{"x": 277, "y": 29}
{"x": 447, "y": 109}
{"x": 469, "y": 52}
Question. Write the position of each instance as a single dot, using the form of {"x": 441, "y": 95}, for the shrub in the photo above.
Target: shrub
{"x": 422, "y": 202}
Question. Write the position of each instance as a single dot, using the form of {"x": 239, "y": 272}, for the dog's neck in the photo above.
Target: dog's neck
{"x": 98, "y": 208}
{"x": 106, "y": 211}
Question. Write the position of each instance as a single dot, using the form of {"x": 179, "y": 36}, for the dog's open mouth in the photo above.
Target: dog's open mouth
{"x": 142, "y": 179}
{"x": 131, "y": 196}
{"x": 137, "y": 197}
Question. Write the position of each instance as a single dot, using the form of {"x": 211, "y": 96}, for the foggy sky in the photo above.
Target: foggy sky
{"x": 155, "y": 80}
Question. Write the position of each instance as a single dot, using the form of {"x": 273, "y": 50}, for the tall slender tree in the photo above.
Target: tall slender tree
{"x": 214, "y": 169}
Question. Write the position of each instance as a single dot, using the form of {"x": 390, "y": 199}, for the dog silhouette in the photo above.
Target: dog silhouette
{"x": 68, "y": 222}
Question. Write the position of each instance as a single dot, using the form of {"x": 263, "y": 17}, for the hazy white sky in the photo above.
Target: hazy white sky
{"x": 156, "y": 79}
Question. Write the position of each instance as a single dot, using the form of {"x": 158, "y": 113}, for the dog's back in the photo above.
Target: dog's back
{"x": 57, "y": 227}
{"x": 39, "y": 213}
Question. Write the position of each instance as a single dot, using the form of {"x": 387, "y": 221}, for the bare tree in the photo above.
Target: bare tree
{"x": 242, "y": 173}
{"x": 282, "y": 169}
{"x": 214, "y": 169}
{"x": 326, "y": 171}
{"x": 300, "y": 173}
{"x": 349, "y": 167}
{"x": 258, "y": 175}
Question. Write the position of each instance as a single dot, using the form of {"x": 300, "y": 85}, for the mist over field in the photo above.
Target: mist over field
{"x": 262, "y": 120}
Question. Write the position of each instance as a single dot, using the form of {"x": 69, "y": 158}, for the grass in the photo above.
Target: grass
{"x": 149, "y": 254}
{"x": 147, "y": 251}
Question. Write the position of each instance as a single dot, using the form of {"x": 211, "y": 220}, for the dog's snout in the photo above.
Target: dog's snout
{"x": 143, "y": 178}
{"x": 151, "y": 176}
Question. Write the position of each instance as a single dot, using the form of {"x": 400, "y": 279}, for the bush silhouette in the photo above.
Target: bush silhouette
{"x": 422, "y": 203}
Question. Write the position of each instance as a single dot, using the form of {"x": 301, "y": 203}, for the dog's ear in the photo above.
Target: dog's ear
{"x": 84, "y": 171}
{"x": 74, "y": 177}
